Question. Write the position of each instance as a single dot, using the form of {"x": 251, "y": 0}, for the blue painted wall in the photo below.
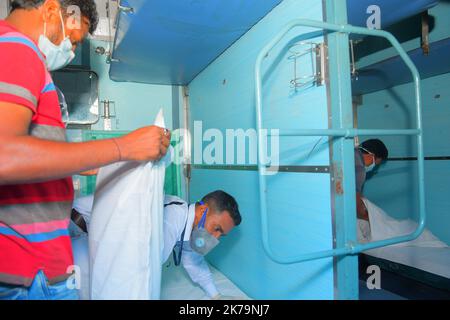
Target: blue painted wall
{"x": 393, "y": 188}
{"x": 222, "y": 96}
{"x": 136, "y": 104}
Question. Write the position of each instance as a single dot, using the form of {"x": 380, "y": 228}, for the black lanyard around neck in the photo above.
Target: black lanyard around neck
{"x": 177, "y": 258}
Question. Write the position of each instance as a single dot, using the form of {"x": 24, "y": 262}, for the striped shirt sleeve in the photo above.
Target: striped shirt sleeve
{"x": 22, "y": 75}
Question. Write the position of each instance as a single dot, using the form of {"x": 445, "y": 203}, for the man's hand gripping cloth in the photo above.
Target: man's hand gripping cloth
{"x": 126, "y": 229}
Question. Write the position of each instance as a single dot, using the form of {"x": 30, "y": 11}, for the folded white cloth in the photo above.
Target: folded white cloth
{"x": 126, "y": 230}
{"x": 382, "y": 226}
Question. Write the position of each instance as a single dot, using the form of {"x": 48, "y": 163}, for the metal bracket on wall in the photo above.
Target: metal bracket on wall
{"x": 108, "y": 114}
{"x": 314, "y": 74}
{"x": 356, "y": 101}
{"x": 354, "y": 72}
{"x": 122, "y": 9}
{"x": 125, "y": 9}
{"x": 109, "y": 59}
{"x": 425, "y": 39}
{"x": 187, "y": 167}
{"x": 273, "y": 169}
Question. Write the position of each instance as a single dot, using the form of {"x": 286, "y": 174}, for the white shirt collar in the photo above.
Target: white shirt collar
{"x": 190, "y": 222}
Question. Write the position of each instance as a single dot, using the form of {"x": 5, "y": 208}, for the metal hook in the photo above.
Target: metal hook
{"x": 125, "y": 9}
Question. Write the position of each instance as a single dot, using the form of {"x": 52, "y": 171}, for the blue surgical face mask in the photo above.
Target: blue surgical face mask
{"x": 201, "y": 240}
{"x": 57, "y": 56}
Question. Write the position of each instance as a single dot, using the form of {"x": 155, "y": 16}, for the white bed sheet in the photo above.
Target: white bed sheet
{"x": 176, "y": 285}
{"x": 426, "y": 253}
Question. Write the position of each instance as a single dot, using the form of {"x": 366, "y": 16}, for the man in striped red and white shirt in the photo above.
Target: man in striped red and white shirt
{"x": 36, "y": 162}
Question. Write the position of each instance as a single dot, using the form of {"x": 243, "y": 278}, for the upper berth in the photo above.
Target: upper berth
{"x": 172, "y": 41}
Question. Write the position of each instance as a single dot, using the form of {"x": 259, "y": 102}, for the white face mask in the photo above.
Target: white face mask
{"x": 370, "y": 168}
{"x": 373, "y": 164}
{"x": 63, "y": 106}
{"x": 201, "y": 240}
{"x": 57, "y": 56}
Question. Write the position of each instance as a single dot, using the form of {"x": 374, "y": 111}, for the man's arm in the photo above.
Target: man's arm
{"x": 361, "y": 208}
{"x": 26, "y": 159}
{"x": 199, "y": 272}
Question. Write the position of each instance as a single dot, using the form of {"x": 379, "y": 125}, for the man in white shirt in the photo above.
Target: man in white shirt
{"x": 199, "y": 225}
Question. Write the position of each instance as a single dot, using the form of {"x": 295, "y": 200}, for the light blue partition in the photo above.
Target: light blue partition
{"x": 299, "y": 203}
{"x": 135, "y": 104}
{"x": 241, "y": 257}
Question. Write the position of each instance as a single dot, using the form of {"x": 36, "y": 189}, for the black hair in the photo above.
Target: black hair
{"x": 88, "y": 8}
{"x": 377, "y": 147}
{"x": 221, "y": 201}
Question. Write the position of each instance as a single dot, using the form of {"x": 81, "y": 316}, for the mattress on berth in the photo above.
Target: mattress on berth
{"x": 426, "y": 252}
{"x": 176, "y": 285}
{"x": 429, "y": 259}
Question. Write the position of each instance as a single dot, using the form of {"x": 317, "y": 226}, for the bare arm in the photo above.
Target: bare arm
{"x": 361, "y": 208}
{"x": 26, "y": 159}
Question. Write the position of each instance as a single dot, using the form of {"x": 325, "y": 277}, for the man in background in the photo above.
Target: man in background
{"x": 368, "y": 155}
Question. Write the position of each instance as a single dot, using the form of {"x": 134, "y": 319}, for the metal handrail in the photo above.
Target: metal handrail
{"x": 350, "y": 247}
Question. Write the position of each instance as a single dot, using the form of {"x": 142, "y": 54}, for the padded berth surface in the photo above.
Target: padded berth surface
{"x": 176, "y": 285}
{"x": 433, "y": 260}
{"x": 426, "y": 252}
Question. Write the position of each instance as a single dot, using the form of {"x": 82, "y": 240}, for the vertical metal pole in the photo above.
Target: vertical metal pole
{"x": 425, "y": 37}
{"x": 187, "y": 145}
{"x": 342, "y": 152}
